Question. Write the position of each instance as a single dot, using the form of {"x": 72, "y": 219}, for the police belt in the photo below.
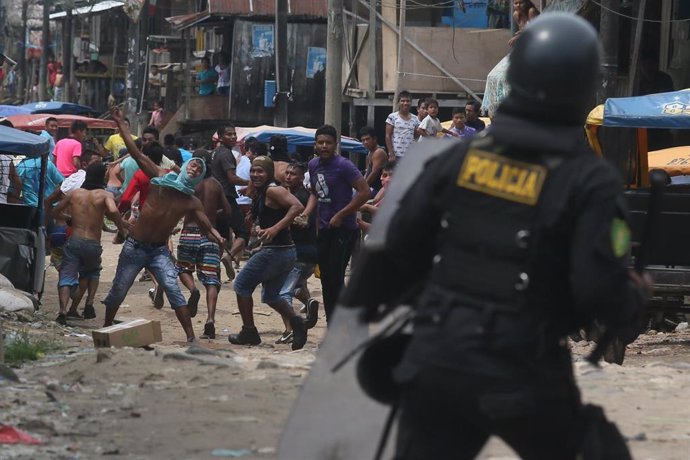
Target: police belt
{"x": 446, "y": 300}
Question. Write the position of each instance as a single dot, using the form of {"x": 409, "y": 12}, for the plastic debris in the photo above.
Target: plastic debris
{"x": 12, "y": 435}
{"x": 230, "y": 453}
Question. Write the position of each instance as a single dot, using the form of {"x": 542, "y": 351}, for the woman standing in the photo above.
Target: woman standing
{"x": 523, "y": 12}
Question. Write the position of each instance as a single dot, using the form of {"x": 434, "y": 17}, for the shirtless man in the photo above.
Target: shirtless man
{"x": 170, "y": 198}
{"x": 376, "y": 158}
{"x": 58, "y": 236}
{"x": 82, "y": 252}
{"x": 196, "y": 252}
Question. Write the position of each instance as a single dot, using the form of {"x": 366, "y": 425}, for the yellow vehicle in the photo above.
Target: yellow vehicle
{"x": 622, "y": 130}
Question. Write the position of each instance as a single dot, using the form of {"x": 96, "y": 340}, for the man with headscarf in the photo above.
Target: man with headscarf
{"x": 81, "y": 262}
{"x": 171, "y": 197}
{"x": 274, "y": 208}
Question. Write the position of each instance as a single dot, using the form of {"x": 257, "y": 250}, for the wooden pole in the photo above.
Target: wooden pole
{"x": 43, "y": 66}
{"x": 280, "y": 112}
{"x": 334, "y": 65}
{"x": 71, "y": 81}
{"x": 113, "y": 69}
{"x": 401, "y": 44}
{"x": 634, "y": 61}
{"x": 23, "y": 65}
{"x": 373, "y": 58}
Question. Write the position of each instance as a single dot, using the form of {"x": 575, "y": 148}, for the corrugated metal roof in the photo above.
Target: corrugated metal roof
{"x": 314, "y": 9}
{"x": 305, "y": 8}
{"x": 89, "y": 9}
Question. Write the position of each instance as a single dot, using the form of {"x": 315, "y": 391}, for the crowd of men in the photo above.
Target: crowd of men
{"x": 290, "y": 212}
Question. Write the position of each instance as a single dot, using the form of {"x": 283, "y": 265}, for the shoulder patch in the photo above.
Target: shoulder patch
{"x": 620, "y": 237}
{"x": 502, "y": 177}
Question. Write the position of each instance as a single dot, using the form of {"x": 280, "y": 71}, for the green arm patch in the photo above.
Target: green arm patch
{"x": 620, "y": 237}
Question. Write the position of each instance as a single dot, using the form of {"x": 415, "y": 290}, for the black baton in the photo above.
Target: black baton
{"x": 658, "y": 179}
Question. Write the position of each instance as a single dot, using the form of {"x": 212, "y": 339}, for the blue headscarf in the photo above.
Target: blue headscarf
{"x": 182, "y": 182}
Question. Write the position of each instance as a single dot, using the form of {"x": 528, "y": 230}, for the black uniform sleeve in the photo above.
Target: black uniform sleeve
{"x": 394, "y": 274}
{"x": 601, "y": 286}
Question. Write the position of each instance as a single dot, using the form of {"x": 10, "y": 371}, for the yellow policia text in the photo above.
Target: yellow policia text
{"x": 502, "y": 177}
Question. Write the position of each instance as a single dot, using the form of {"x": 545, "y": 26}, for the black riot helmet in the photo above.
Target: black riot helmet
{"x": 554, "y": 70}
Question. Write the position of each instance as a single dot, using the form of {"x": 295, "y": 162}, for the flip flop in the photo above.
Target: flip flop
{"x": 193, "y": 302}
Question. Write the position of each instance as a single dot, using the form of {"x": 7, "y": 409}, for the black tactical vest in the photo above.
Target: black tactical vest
{"x": 493, "y": 210}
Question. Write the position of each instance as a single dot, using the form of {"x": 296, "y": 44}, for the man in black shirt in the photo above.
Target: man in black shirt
{"x": 303, "y": 231}
{"x": 274, "y": 208}
{"x": 472, "y": 115}
{"x": 224, "y": 170}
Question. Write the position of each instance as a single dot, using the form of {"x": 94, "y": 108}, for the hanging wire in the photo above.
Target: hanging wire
{"x": 634, "y": 18}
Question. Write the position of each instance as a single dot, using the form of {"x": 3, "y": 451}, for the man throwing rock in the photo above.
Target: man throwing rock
{"x": 170, "y": 198}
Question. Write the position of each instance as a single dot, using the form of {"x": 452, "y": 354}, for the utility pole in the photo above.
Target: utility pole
{"x": 401, "y": 44}
{"x": 280, "y": 111}
{"x": 45, "y": 35}
{"x": 635, "y": 58}
{"x": 71, "y": 96}
{"x": 67, "y": 56}
{"x": 21, "y": 87}
{"x": 608, "y": 27}
{"x": 334, "y": 65}
{"x": 373, "y": 58}
{"x": 133, "y": 74}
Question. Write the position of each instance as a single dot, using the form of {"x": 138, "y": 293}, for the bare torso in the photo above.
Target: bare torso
{"x": 113, "y": 176}
{"x": 163, "y": 209}
{"x": 87, "y": 208}
{"x": 280, "y": 167}
{"x": 210, "y": 193}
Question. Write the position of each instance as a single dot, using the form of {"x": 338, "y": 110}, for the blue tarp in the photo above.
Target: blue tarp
{"x": 297, "y": 136}
{"x": 9, "y": 110}
{"x": 663, "y": 110}
{"x": 16, "y": 142}
{"x": 58, "y": 108}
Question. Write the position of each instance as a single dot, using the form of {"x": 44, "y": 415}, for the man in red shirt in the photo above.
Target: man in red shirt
{"x": 140, "y": 182}
{"x": 67, "y": 153}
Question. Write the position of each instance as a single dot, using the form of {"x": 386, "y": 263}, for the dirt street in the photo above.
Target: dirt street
{"x": 226, "y": 401}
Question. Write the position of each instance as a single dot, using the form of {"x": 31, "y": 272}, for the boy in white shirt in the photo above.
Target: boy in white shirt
{"x": 431, "y": 126}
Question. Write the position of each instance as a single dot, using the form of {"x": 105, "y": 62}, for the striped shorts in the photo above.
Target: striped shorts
{"x": 196, "y": 253}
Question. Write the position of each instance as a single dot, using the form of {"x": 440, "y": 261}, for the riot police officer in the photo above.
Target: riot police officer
{"x": 515, "y": 239}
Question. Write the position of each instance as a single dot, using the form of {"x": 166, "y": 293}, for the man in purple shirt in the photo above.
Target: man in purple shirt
{"x": 332, "y": 179}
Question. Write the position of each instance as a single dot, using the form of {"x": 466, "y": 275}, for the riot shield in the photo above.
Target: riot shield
{"x": 332, "y": 417}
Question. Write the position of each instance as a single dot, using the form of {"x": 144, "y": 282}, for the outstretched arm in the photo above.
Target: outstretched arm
{"x": 150, "y": 168}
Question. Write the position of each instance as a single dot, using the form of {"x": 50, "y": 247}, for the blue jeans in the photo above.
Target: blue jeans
{"x": 81, "y": 260}
{"x": 268, "y": 267}
{"x": 297, "y": 278}
{"x": 136, "y": 255}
